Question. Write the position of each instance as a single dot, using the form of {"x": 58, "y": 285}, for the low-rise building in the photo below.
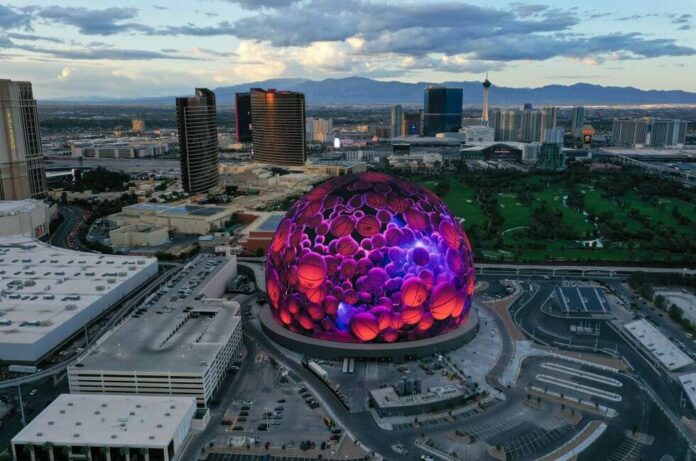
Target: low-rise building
{"x": 512, "y": 151}
{"x": 48, "y": 294}
{"x": 121, "y": 148}
{"x": 138, "y": 235}
{"x": 478, "y": 134}
{"x": 551, "y": 157}
{"x": 336, "y": 167}
{"x": 101, "y": 427}
{"x": 257, "y": 235}
{"x": 388, "y": 402}
{"x": 26, "y": 217}
{"x": 182, "y": 219}
{"x": 182, "y": 344}
{"x": 415, "y": 160}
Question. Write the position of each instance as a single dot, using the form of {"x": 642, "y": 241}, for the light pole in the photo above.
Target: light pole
{"x": 21, "y": 405}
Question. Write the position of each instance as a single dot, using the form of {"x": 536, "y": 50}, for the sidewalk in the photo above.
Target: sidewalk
{"x": 500, "y": 308}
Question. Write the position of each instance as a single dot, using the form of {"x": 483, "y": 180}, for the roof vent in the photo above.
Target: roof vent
{"x": 39, "y": 434}
{"x": 77, "y": 436}
{"x": 113, "y": 436}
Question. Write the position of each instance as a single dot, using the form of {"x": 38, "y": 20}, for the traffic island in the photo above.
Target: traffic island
{"x": 497, "y": 452}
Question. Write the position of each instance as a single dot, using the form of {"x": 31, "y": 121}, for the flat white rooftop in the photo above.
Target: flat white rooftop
{"x": 688, "y": 382}
{"x": 664, "y": 350}
{"x": 109, "y": 420}
{"x": 44, "y": 289}
{"x": 13, "y": 207}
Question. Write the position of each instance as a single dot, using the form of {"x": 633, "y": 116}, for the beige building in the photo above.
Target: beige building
{"x": 336, "y": 167}
{"x": 100, "y": 427}
{"x": 22, "y": 170}
{"x": 139, "y": 235}
{"x": 137, "y": 125}
{"x": 182, "y": 219}
{"x": 25, "y": 217}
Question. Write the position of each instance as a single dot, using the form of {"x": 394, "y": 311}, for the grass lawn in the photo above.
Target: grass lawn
{"x": 461, "y": 201}
{"x": 518, "y": 217}
{"x": 516, "y": 214}
{"x": 573, "y": 218}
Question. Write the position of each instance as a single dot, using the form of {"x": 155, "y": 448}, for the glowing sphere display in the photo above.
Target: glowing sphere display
{"x": 370, "y": 258}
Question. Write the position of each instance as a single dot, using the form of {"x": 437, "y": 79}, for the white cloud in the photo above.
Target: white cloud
{"x": 64, "y": 73}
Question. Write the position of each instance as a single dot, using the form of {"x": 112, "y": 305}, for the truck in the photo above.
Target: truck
{"x": 317, "y": 370}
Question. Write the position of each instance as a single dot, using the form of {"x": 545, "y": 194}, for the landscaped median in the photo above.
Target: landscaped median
{"x": 591, "y": 432}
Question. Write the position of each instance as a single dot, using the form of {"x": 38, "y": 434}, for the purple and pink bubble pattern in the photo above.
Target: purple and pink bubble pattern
{"x": 370, "y": 258}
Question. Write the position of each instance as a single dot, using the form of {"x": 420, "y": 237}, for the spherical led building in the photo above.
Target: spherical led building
{"x": 370, "y": 259}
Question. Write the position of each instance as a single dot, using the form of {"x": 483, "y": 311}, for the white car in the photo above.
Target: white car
{"x": 427, "y": 458}
{"x": 399, "y": 448}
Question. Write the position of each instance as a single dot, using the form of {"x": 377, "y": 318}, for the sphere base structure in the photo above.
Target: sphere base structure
{"x": 394, "y": 352}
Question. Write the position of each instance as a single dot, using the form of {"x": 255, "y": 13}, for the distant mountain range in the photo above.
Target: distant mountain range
{"x": 359, "y": 90}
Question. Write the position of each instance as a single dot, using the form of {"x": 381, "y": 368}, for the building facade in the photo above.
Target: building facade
{"x": 28, "y": 217}
{"x": 554, "y": 135}
{"x": 242, "y": 116}
{"x": 319, "y": 129}
{"x": 22, "y": 169}
{"x": 442, "y": 110}
{"x": 577, "y": 121}
{"x": 478, "y": 134}
{"x": 186, "y": 352}
{"x": 198, "y": 141}
{"x": 530, "y": 125}
{"x": 107, "y": 428}
{"x": 666, "y": 133}
{"x": 506, "y": 125}
{"x": 630, "y": 133}
{"x": 551, "y": 157}
{"x": 278, "y": 137}
{"x": 137, "y": 125}
{"x": 412, "y": 124}
{"x": 396, "y": 120}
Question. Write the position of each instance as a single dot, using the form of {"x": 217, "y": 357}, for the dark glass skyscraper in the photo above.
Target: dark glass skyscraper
{"x": 279, "y": 127}
{"x": 242, "y": 113}
{"x": 442, "y": 110}
{"x": 197, "y": 121}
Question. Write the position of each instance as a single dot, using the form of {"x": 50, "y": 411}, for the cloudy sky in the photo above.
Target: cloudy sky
{"x": 143, "y": 47}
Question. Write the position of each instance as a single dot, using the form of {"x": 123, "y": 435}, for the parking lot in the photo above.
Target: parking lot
{"x": 530, "y": 441}
{"x": 582, "y": 299}
{"x": 269, "y": 406}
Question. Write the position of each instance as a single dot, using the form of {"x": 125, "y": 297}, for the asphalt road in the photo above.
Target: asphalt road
{"x": 549, "y": 330}
{"x": 66, "y": 235}
{"x": 227, "y": 393}
{"x": 45, "y": 393}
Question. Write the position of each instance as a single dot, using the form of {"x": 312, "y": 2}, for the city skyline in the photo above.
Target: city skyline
{"x": 146, "y": 48}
